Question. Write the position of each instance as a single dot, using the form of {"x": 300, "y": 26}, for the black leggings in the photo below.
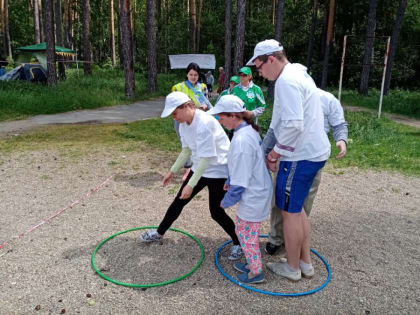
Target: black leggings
{"x": 218, "y": 214}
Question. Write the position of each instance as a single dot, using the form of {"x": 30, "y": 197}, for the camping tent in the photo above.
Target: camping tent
{"x": 38, "y": 51}
{"x": 29, "y": 72}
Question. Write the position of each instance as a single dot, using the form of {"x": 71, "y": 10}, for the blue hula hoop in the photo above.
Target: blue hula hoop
{"x": 327, "y": 267}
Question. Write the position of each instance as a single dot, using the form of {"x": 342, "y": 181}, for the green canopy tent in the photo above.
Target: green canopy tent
{"x": 38, "y": 51}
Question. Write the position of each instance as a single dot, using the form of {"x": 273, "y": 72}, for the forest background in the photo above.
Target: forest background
{"x": 196, "y": 26}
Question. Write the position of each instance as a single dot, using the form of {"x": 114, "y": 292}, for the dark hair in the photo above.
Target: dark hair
{"x": 196, "y": 68}
{"x": 249, "y": 119}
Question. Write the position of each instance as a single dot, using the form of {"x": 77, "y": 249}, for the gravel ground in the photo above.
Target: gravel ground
{"x": 365, "y": 223}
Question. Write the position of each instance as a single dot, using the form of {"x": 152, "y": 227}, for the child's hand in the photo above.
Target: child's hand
{"x": 186, "y": 192}
{"x": 167, "y": 178}
{"x": 225, "y": 187}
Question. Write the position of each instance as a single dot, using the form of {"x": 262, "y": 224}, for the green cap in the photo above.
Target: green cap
{"x": 245, "y": 70}
{"x": 235, "y": 79}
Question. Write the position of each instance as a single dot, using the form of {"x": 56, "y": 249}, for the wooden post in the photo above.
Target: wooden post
{"x": 342, "y": 67}
{"x": 383, "y": 76}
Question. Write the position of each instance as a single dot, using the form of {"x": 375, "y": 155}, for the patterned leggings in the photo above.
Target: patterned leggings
{"x": 248, "y": 234}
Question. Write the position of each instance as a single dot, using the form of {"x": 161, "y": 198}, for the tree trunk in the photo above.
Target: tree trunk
{"x": 240, "y": 36}
{"x": 328, "y": 45}
{"x": 68, "y": 42}
{"x": 151, "y": 46}
{"x": 41, "y": 19}
{"x": 193, "y": 26}
{"x": 87, "y": 49}
{"x": 112, "y": 31}
{"x": 7, "y": 44}
{"x": 59, "y": 36}
{"x": 279, "y": 20}
{"x": 393, "y": 44}
{"x": 228, "y": 42}
{"x": 200, "y": 9}
{"x": 126, "y": 47}
{"x": 36, "y": 21}
{"x": 277, "y": 37}
{"x": 49, "y": 32}
{"x": 367, "y": 58}
{"x": 312, "y": 36}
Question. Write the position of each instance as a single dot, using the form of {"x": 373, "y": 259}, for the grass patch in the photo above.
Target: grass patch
{"x": 373, "y": 143}
{"x": 21, "y": 99}
{"x": 380, "y": 144}
{"x": 398, "y": 101}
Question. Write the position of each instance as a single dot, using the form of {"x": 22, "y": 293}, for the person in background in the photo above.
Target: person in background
{"x": 334, "y": 119}
{"x": 197, "y": 92}
{"x": 204, "y": 140}
{"x": 234, "y": 81}
{"x": 250, "y": 93}
{"x": 209, "y": 82}
{"x": 221, "y": 81}
{"x": 249, "y": 183}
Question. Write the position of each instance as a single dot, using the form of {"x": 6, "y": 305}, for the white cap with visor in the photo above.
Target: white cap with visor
{"x": 265, "y": 47}
{"x": 228, "y": 104}
{"x": 172, "y": 101}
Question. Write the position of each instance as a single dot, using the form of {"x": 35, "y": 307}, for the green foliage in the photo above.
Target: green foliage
{"x": 19, "y": 99}
{"x": 397, "y": 101}
{"x": 381, "y": 144}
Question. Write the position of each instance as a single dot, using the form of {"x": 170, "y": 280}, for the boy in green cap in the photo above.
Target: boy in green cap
{"x": 234, "y": 80}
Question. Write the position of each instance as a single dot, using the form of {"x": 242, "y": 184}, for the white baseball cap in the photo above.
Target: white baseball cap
{"x": 228, "y": 104}
{"x": 172, "y": 101}
{"x": 265, "y": 47}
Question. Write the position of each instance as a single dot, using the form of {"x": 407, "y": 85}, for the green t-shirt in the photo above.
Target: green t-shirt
{"x": 252, "y": 96}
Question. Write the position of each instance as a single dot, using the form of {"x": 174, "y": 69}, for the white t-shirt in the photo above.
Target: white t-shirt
{"x": 206, "y": 138}
{"x": 247, "y": 168}
{"x": 333, "y": 112}
{"x": 297, "y": 111}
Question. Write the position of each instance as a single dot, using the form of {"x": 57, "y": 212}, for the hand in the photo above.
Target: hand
{"x": 204, "y": 107}
{"x": 186, "y": 192}
{"x": 225, "y": 187}
{"x": 271, "y": 160}
{"x": 342, "y": 146}
{"x": 167, "y": 178}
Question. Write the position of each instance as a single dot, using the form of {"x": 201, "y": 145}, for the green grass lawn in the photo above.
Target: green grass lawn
{"x": 398, "y": 101}
{"x": 373, "y": 143}
{"x": 20, "y": 99}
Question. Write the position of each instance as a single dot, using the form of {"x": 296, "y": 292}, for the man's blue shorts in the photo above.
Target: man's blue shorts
{"x": 294, "y": 180}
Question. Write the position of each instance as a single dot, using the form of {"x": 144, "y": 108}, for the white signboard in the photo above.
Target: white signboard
{"x": 205, "y": 61}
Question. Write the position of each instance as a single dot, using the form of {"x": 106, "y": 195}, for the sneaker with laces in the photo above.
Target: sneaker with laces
{"x": 241, "y": 267}
{"x": 150, "y": 236}
{"x": 235, "y": 252}
{"x": 282, "y": 269}
{"x": 243, "y": 277}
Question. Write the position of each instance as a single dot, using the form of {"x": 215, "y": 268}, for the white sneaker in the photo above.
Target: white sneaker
{"x": 307, "y": 272}
{"x": 282, "y": 269}
{"x": 150, "y": 236}
{"x": 235, "y": 252}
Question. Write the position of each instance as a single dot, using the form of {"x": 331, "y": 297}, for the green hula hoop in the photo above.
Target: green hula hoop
{"x": 135, "y": 285}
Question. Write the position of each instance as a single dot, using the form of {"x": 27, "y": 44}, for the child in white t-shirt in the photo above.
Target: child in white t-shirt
{"x": 204, "y": 140}
{"x": 249, "y": 183}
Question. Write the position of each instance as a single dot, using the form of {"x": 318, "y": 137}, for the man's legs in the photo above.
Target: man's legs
{"x": 275, "y": 236}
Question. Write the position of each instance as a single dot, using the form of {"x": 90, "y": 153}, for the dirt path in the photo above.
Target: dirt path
{"x": 365, "y": 223}
{"x": 128, "y": 113}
